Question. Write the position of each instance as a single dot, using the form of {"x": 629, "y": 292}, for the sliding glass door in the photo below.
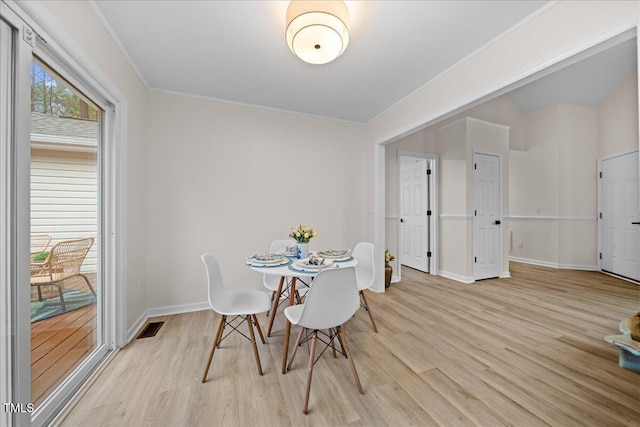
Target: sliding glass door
{"x": 60, "y": 279}
{"x": 65, "y": 238}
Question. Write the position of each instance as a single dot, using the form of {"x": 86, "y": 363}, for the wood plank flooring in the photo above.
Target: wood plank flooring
{"x": 59, "y": 344}
{"x": 525, "y": 351}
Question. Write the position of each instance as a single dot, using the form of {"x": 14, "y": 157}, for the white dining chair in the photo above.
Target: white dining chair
{"x": 330, "y": 302}
{"x": 365, "y": 274}
{"x": 243, "y": 305}
{"x": 276, "y": 285}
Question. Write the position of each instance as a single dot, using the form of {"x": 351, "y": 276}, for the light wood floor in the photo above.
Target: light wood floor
{"x": 526, "y": 351}
{"x": 59, "y": 344}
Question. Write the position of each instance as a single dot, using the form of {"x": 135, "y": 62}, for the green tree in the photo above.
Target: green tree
{"x": 52, "y": 95}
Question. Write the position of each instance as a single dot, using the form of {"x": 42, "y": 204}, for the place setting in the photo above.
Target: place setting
{"x": 268, "y": 260}
{"x": 312, "y": 264}
{"x": 336, "y": 255}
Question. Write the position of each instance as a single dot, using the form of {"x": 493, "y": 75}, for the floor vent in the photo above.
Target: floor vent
{"x": 151, "y": 330}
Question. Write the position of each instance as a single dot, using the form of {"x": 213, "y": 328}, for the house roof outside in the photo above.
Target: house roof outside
{"x": 64, "y": 133}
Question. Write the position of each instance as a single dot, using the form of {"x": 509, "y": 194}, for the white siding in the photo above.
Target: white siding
{"x": 64, "y": 197}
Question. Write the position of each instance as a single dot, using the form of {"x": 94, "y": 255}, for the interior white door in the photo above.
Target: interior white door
{"x": 620, "y": 225}
{"x": 486, "y": 219}
{"x": 413, "y": 214}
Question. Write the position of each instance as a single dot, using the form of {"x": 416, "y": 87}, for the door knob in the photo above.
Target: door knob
{"x": 497, "y": 223}
{"x": 401, "y": 220}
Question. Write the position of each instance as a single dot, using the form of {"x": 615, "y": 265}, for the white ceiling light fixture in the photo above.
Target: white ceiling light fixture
{"x": 317, "y": 30}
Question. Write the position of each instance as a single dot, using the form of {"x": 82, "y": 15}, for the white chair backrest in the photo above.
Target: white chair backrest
{"x": 270, "y": 280}
{"x": 332, "y": 300}
{"x": 282, "y": 244}
{"x": 220, "y": 297}
{"x": 365, "y": 270}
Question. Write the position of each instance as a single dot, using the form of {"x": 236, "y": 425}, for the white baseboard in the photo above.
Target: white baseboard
{"x": 456, "y": 277}
{"x": 505, "y": 275}
{"x": 395, "y": 278}
{"x": 555, "y": 265}
{"x": 163, "y": 311}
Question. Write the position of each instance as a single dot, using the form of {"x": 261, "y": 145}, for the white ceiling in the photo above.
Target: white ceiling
{"x": 586, "y": 82}
{"x": 235, "y": 51}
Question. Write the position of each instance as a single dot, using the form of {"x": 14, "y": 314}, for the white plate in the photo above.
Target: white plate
{"x": 338, "y": 253}
{"x": 254, "y": 263}
{"x": 304, "y": 263}
{"x": 296, "y": 267}
{"x": 267, "y": 259}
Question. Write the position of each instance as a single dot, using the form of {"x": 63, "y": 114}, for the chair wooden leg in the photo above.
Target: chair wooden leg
{"x": 295, "y": 347}
{"x": 366, "y": 306}
{"x": 273, "y": 295}
{"x": 213, "y": 347}
{"x": 253, "y": 343}
{"x": 331, "y": 341}
{"x": 287, "y": 327}
{"x": 312, "y": 355}
{"x": 342, "y": 346}
{"x": 345, "y": 346}
{"x": 276, "y": 301}
{"x": 255, "y": 320}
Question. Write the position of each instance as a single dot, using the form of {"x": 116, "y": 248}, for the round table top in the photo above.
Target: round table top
{"x": 287, "y": 271}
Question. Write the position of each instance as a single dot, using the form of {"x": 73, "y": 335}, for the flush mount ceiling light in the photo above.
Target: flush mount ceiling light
{"x": 317, "y": 30}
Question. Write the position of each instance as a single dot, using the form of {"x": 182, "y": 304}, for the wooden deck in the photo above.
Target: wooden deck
{"x": 60, "y": 343}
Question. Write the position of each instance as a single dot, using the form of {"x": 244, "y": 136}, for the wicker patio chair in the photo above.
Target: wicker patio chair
{"x": 39, "y": 243}
{"x": 64, "y": 261}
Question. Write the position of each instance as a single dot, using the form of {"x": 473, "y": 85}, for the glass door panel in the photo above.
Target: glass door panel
{"x": 66, "y": 133}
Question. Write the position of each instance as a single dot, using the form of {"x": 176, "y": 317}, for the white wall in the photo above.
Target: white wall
{"x": 618, "y": 119}
{"x": 229, "y": 179}
{"x": 554, "y": 188}
{"x": 81, "y": 23}
{"x": 539, "y": 42}
{"x": 557, "y": 33}
{"x": 552, "y": 175}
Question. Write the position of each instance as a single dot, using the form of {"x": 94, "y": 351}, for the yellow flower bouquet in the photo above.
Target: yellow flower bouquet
{"x": 302, "y": 234}
{"x": 388, "y": 257}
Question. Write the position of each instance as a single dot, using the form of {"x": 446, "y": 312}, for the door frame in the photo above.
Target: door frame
{"x": 599, "y": 196}
{"x": 78, "y": 68}
{"x": 15, "y": 355}
{"x": 473, "y": 217}
{"x": 433, "y": 222}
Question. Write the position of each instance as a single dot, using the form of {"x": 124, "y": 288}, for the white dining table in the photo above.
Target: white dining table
{"x": 287, "y": 271}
